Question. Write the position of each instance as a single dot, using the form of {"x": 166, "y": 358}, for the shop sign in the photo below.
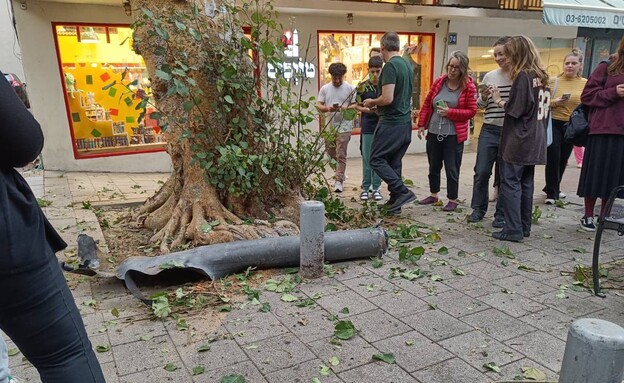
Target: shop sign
{"x": 568, "y": 14}
{"x": 292, "y": 66}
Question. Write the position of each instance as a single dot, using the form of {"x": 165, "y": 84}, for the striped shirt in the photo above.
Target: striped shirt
{"x": 574, "y": 86}
{"x": 493, "y": 114}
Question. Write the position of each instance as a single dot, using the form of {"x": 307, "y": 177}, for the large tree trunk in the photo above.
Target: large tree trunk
{"x": 188, "y": 208}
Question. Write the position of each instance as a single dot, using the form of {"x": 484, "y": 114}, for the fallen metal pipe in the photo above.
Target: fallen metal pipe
{"x": 217, "y": 261}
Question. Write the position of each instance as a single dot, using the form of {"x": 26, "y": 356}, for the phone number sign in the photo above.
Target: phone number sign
{"x": 584, "y": 18}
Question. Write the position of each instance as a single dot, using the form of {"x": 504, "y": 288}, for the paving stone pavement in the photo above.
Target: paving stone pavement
{"x": 439, "y": 331}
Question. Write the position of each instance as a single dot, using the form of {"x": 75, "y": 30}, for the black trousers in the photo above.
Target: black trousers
{"x": 445, "y": 151}
{"x": 516, "y": 194}
{"x": 38, "y": 313}
{"x": 556, "y": 159}
{"x": 390, "y": 142}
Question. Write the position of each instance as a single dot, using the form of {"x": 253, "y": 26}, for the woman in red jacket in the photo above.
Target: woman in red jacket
{"x": 448, "y": 107}
{"x": 603, "y": 163}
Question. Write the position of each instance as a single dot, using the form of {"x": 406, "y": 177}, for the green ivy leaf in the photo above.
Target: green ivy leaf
{"x": 171, "y": 367}
{"x": 203, "y": 348}
{"x": 233, "y": 379}
{"x": 344, "y": 329}
{"x": 198, "y": 370}
{"x": 492, "y": 367}
{"x": 13, "y": 352}
{"x": 288, "y": 298}
{"x": 102, "y": 348}
{"x": 387, "y": 357}
{"x": 533, "y": 373}
{"x": 228, "y": 99}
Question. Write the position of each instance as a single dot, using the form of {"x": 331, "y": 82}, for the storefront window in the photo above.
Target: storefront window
{"x": 480, "y": 53}
{"x": 103, "y": 119}
{"x": 352, "y": 49}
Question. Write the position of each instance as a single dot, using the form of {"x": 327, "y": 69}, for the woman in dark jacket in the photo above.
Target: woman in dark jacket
{"x": 603, "y": 163}
{"x": 37, "y": 310}
{"x": 446, "y": 112}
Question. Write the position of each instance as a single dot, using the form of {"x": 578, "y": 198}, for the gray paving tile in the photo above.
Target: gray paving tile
{"x": 158, "y": 375}
{"x": 521, "y": 284}
{"x": 551, "y": 321}
{"x": 376, "y": 372}
{"x": 539, "y": 345}
{"x": 420, "y": 287}
{"x": 413, "y": 351}
{"x": 222, "y": 353}
{"x": 278, "y": 353}
{"x": 354, "y": 302}
{"x": 450, "y": 371}
{"x": 370, "y": 285}
{"x": 512, "y": 304}
{"x": 513, "y": 371}
{"x": 472, "y": 286}
{"x": 253, "y": 328}
{"x": 110, "y": 372}
{"x": 572, "y": 305}
{"x": 456, "y": 303}
{"x": 376, "y": 325}
{"x": 351, "y": 353}
{"x": 309, "y": 326}
{"x": 400, "y": 303}
{"x": 323, "y": 286}
{"x": 303, "y": 373}
{"x": 497, "y": 324}
{"x": 477, "y": 349}
{"x": 487, "y": 271}
{"x": 436, "y": 325}
{"x": 129, "y": 332}
{"x": 144, "y": 355}
{"x": 245, "y": 369}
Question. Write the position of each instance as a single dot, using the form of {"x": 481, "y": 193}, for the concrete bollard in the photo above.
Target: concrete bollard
{"x": 312, "y": 239}
{"x": 594, "y": 353}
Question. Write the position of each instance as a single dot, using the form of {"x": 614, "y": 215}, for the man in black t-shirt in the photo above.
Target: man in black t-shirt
{"x": 368, "y": 89}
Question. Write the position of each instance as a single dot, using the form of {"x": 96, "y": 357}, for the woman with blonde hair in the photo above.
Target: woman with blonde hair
{"x": 603, "y": 163}
{"x": 448, "y": 107}
{"x": 523, "y": 139}
{"x": 566, "y": 95}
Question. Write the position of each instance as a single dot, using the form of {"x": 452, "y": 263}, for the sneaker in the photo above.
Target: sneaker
{"x": 338, "y": 187}
{"x": 549, "y": 201}
{"x": 428, "y": 201}
{"x": 475, "y": 216}
{"x": 401, "y": 200}
{"x": 364, "y": 196}
{"x": 450, "y": 206}
{"x": 13, "y": 380}
{"x": 498, "y": 222}
{"x": 377, "y": 195}
{"x": 526, "y": 233}
{"x": 587, "y": 224}
{"x": 505, "y": 236}
{"x": 562, "y": 195}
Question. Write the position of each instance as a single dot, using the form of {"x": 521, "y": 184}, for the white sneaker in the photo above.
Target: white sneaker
{"x": 377, "y": 195}
{"x": 13, "y": 380}
{"x": 338, "y": 187}
{"x": 549, "y": 201}
{"x": 562, "y": 195}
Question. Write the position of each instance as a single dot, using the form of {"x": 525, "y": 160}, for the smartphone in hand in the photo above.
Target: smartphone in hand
{"x": 440, "y": 104}
{"x": 566, "y": 96}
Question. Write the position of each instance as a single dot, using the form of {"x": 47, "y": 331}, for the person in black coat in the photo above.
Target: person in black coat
{"x": 37, "y": 310}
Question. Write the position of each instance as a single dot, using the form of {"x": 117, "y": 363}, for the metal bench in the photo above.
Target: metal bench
{"x": 607, "y": 222}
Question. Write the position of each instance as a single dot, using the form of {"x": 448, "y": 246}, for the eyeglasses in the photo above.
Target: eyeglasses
{"x": 452, "y": 67}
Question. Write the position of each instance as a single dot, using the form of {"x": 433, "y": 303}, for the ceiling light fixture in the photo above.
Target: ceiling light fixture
{"x": 127, "y": 7}
{"x": 88, "y": 35}
{"x": 350, "y": 18}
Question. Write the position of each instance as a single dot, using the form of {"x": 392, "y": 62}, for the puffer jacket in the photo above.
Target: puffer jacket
{"x": 466, "y": 107}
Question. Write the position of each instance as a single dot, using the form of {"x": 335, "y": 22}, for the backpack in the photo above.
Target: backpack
{"x": 577, "y": 127}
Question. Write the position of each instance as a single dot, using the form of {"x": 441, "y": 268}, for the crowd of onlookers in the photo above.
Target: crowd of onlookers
{"x": 525, "y": 117}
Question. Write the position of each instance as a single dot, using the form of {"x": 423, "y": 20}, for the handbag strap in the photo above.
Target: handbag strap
{"x": 554, "y": 88}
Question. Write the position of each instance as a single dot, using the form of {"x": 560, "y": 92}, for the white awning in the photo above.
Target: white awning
{"x": 585, "y": 13}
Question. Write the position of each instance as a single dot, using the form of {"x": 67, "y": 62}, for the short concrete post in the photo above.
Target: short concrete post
{"x": 312, "y": 239}
{"x": 594, "y": 353}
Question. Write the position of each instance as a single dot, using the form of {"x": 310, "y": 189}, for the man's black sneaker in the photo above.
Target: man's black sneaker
{"x": 526, "y": 233}
{"x": 498, "y": 222}
{"x": 475, "y": 216}
{"x": 505, "y": 236}
{"x": 401, "y": 200}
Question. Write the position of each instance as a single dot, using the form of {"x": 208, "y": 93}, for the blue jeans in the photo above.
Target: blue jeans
{"x": 4, "y": 362}
{"x": 487, "y": 152}
{"x": 37, "y": 311}
{"x": 370, "y": 179}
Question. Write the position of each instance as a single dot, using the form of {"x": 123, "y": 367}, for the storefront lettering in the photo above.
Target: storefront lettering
{"x": 288, "y": 70}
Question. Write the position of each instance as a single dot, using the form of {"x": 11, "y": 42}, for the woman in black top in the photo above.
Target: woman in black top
{"x": 37, "y": 310}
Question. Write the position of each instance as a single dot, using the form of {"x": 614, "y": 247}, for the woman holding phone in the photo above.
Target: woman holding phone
{"x": 566, "y": 95}
{"x": 448, "y": 107}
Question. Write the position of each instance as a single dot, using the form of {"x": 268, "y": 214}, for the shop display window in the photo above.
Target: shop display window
{"x": 352, "y": 49}
{"x": 103, "y": 118}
